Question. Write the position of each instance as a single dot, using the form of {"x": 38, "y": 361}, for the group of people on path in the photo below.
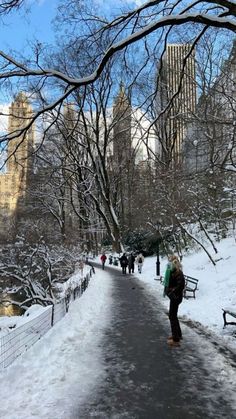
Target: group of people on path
{"x": 129, "y": 262}
{"x": 174, "y": 284}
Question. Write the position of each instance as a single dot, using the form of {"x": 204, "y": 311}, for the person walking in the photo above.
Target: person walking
{"x": 124, "y": 263}
{"x": 131, "y": 260}
{"x": 81, "y": 266}
{"x": 103, "y": 260}
{"x": 139, "y": 260}
{"x": 174, "y": 283}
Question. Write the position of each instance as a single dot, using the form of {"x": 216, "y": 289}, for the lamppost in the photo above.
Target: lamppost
{"x": 159, "y": 239}
{"x": 158, "y": 260}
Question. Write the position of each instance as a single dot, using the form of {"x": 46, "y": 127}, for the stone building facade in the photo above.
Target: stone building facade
{"x": 210, "y": 140}
{"x": 14, "y": 178}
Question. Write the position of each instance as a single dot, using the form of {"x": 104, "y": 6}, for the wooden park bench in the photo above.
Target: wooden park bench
{"x": 230, "y": 313}
{"x": 190, "y": 288}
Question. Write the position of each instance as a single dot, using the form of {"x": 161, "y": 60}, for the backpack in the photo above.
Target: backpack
{"x": 140, "y": 260}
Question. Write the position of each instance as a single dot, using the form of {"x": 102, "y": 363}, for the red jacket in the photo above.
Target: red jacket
{"x": 103, "y": 258}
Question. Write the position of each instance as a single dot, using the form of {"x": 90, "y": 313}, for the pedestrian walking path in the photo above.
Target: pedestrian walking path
{"x": 147, "y": 379}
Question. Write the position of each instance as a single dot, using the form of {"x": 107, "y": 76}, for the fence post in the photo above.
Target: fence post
{"x": 52, "y": 317}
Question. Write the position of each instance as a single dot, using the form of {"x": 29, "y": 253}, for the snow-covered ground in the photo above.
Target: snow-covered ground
{"x": 216, "y": 287}
{"x": 61, "y": 369}
{"x": 64, "y": 366}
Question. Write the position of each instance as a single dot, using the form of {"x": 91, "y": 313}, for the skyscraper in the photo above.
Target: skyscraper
{"x": 122, "y": 142}
{"x": 175, "y": 100}
{"x": 211, "y": 138}
{"x": 13, "y": 183}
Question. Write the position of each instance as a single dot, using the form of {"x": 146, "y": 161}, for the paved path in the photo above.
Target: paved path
{"x": 146, "y": 379}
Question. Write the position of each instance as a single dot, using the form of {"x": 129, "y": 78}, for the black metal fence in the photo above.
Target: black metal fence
{"x": 18, "y": 340}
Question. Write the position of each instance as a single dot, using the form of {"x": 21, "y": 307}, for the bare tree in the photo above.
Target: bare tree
{"x": 153, "y": 19}
{"x": 93, "y": 44}
{"x": 10, "y": 5}
{"x": 36, "y": 270}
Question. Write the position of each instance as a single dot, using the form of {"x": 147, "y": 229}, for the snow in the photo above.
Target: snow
{"x": 56, "y": 375}
{"x": 8, "y": 323}
{"x": 216, "y": 288}
{"x": 64, "y": 366}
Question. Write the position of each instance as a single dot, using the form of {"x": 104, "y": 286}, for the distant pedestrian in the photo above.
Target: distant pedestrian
{"x": 174, "y": 286}
{"x": 103, "y": 260}
{"x": 139, "y": 260}
{"x": 131, "y": 260}
{"x": 124, "y": 263}
{"x": 81, "y": 266}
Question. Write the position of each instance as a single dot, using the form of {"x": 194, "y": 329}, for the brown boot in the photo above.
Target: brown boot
{"x": 171, "y": 338}
{"x": 173, "y": 343}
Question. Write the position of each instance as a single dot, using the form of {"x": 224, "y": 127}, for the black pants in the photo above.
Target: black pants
{"x": 124, "y": 269}
{"x": 131, "y": 269}
{"x": 174, "y": 321}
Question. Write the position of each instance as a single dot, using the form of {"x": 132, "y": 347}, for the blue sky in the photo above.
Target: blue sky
{"x": 33, "y": 22}
{"x": 19, "y": 27}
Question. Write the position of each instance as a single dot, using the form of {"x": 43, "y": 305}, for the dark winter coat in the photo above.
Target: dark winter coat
{"x": 176, "y": 286}
{"x": 131, "y": 261}
{"x": 123, "y": 261}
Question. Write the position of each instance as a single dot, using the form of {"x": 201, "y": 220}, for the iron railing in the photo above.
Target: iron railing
{"x": 18, "y": 340}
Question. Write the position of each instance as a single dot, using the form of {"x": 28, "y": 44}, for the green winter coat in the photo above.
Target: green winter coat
{"x": 169, "y": 269}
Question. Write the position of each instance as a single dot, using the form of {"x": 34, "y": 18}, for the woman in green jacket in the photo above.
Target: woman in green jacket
{"x": 174, "y": 286}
